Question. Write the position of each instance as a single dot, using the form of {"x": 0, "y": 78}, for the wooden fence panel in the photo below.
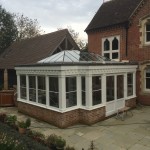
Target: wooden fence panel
{"x": 7, "y": 98}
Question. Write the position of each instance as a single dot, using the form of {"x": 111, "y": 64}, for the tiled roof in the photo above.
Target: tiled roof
{"x": 32, "y": 50}
{"x": 113, "y": 12}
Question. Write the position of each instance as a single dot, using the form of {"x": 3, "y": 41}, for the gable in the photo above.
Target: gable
{"x": 112, "y": 13}
{"x": 32, "y": 50}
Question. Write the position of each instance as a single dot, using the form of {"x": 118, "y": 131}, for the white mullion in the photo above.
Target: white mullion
{"x": 47, "y": 90}
{"x": 27, "y": 87}
{"x": 88, "y": 79}
{"x": 18, "y": 86}
{"x": 36, "y": 80}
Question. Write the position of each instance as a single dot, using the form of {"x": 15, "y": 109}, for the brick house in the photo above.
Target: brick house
{"x": 120, "y": 30}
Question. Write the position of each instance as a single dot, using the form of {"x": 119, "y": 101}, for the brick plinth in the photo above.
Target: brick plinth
{"x": 131, "y": 103}
{"x": 144, "y": 99}
{"x": 63, "y": 120}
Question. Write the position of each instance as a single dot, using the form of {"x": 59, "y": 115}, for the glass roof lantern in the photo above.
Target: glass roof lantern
{"x": 75, "y": 56}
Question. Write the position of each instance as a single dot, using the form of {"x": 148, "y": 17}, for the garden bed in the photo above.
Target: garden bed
{"x": 12, "y": 138}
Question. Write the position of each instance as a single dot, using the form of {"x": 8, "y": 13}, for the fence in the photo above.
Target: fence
{"x": 7, "y": 98}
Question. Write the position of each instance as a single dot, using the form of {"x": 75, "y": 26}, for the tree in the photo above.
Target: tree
{"x": 27, "y": 28}
{"x": 75, "y": 35}
{"x": 8, "y": 29}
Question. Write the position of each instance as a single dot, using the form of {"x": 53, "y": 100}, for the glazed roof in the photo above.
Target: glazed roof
{"x": 74, "y": 56}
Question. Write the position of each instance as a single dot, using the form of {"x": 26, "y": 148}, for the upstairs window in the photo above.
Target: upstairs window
{"x": 147, "y": 33}
{"x": 111, "y": 47}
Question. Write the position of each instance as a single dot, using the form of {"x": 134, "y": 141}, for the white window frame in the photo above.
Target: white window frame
{"x": 148, "y": 90}
{"x": 110, "y": 52}
{"x": 146, "y": 32}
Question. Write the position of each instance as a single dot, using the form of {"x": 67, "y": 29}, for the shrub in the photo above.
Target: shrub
{"x": 24, "y": 124}
{"x": 60, "y": 142}
{"x": 24, "y": 140}
{"x": 8, "y": 143}
{"x": 11, "y": 119}
{"x": 51, "y": 141}
{"x": 3, "y": 117}
{"x": 39, "y": 137}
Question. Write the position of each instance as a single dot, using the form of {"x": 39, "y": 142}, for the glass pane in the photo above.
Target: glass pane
{"x": 53, "y": 84}
{"x": 147, "y": 74}
{"x": 148, "y": 27}
{"x": 148, "y": 83}
{"x": 120, "y": 87}
{"x": 96, "y": 88}
{"x": 115, "y": 55}
{"x": 130, "y": 78}
{"x": 96, "y": 82}
{"x": 70, "y": 84}
{"x": 148, "y": 36}
{"x": 96, "y": 97}
{"x": 71, "y": 95}
{"x": 115, "y": 44}
{"x": 23, "y": 80}
{"x": 41, "y": 83}
{"x": 42, "y": 96}
{"x": 83, "y": 90}
{"x": 130, "y": 90}
{"x": 54, "y": 99}
{"x": 110, "y": 88}
{"x": 32, "y": 88}
{"x": 107, "y": 55}
{"x": 32, "y": 82}
{"x": 106, "y": 45}
{"x": 32, "y": 95}
{"x": 130, "y": 84}
{"x": 23, "y": 93}
{"x": 71, "y": 99}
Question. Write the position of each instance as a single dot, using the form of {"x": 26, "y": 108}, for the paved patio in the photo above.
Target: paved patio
{"x": 131, "y": 134}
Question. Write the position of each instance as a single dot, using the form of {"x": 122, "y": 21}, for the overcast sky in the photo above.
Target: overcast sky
{"x": 54, "y": 14}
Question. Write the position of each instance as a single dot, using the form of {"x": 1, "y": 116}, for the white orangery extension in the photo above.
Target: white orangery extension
{"x": 73, "y": 87}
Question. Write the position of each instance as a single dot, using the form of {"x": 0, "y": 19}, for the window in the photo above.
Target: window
{"x": 110, "y": 47}
{"x": 53, "y": 92}
{"x": 23, "y": 91}
{"x": 129, "y": 84}
{"x": 71, "y": 92}
{"x": 147, "y": 32}
{"x": 83, "y": 90}
{"x": 120, "y": 87}
{"x": 110, "y": 88}
{"x": 32, "y": 88}
{"x": 106, "y": 45}
{"x": 96, "y": 90}
{"x": 147, "y": 79}
{"x": 41, "y": 90}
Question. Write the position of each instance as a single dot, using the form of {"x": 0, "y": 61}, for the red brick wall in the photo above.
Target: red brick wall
{"x": 134, "y": 50}
{"x": 131, "y": 103}
{"x": 63, "y": 120}
{"x": 133, "y": 44}
{"x": 95, "y": 40}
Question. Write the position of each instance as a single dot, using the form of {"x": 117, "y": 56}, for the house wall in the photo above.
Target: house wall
{"x": 136, "y": 50}
{"x": 95, "y": 40}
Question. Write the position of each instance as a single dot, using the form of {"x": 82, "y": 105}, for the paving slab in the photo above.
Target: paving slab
{"x": 112, "y": 134}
